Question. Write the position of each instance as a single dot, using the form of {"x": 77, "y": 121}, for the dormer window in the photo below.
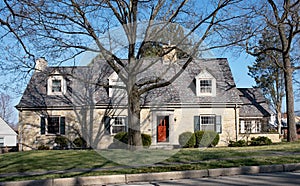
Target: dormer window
{"x": 56, "y": 85}
{"x": 205, "y": 84}
{"x": 117, "y": 86}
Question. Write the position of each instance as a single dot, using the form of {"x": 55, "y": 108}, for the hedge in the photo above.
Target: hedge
{"x": 187, "y": 139}
{"x": 206, "y": 138}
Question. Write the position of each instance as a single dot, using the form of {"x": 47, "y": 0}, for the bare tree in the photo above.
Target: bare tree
{"x": 62, "y": 30}
{"x": 6, "y": 110}
{"x": 283, "y": 18}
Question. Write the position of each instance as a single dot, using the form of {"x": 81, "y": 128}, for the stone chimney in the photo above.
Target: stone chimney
{"x": 41, "y": 64}
{"x": 170, "y": 55}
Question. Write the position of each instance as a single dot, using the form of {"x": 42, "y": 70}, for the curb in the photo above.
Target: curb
{"x": 127, "y": 178}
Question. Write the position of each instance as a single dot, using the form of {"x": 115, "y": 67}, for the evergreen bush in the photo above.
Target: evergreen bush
{"x": 260, "y": 140}
{"x": 80, "y": 142}
{"x": 187, "y": 139}
{"x": 206, "y": 138}
{"x": 61, "y": 141}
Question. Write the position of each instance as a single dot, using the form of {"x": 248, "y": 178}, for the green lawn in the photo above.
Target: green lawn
{"x": 81, "y": 162}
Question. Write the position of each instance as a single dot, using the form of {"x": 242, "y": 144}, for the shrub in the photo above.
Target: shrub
{"x": 206, "y": 138}
{"x": 260, "y": 140}
{"x": 239, "y": 143}
{"x": 121, "y": 140}
{"x": 43, "y": 147}
{"x": 146, "y": 139}
{"x": 61, "y": 141}
{"x": 121, "y": 137}
{"x": 187, "y": 139}
{"x": 80, "y": 142}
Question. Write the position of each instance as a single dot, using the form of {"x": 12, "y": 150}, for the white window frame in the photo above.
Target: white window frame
{"x": 207, "y": 88}
{"x": 205, "y": 76}
{"x": 114, "y": 80}
{"x": 209, "y": 124}
{"x": 1, "y": 141}
{"x": 50, "y": 85}
{"x": 113, "y": 123}
{"x": 250, "y": 126}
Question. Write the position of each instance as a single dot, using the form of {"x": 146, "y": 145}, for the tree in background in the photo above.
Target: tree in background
{"x": 6, "y": 110}
{"x": 282, "y": 18}
{"x": 268, "y": 74}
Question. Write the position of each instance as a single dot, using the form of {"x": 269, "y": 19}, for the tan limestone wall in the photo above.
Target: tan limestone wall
{"x": 275, "y": 138}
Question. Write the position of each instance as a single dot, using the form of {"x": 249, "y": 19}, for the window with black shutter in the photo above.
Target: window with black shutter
{"x": 53, "y": 124}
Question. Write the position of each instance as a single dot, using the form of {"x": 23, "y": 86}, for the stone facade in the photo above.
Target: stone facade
{"x": 55, "y": 93}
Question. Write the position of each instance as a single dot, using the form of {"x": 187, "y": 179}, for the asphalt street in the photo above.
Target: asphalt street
{"x": 274, "y": 179}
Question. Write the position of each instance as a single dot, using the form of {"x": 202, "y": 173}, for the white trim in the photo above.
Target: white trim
{"x": 63, "y": 85}
{"x": 204, "y": 75}
{"x": 112, "y": 123}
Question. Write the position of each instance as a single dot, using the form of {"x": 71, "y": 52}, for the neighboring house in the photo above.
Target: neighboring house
{"x": 61, "y": 101}
{"x": 8, "y": 137}
{"x": 284, "y": 127}
{"x": 254, "y": 115}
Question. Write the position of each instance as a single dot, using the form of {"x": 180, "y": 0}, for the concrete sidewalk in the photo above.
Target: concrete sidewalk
{"x": 128, "y": 178}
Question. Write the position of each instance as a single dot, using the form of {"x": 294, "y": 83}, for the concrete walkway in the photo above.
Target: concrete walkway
{"x": 176, "y": 175}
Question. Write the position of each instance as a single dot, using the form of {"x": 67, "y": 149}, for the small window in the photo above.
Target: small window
{"x": 1, "y": 141}
{"x": 53, "y": 124}
{"x": 208, "y": 123}
{"x": 205, "y": 86}
{"x": 250, "y": 126}
{"x": 118, "y": 124}
{"x": 117, "y": 87}
{"x": 56, "y": 85}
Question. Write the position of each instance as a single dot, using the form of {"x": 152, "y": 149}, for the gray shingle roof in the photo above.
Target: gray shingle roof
{"x": 254, "y": 103}
{"x": 182, "y": 90}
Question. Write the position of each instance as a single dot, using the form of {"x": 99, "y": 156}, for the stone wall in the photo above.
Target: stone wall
{"x": 275, "y": 138}
{"x": 180, "y": 120}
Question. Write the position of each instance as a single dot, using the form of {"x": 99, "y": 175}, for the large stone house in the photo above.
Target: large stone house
{"x": 86, "y": 101}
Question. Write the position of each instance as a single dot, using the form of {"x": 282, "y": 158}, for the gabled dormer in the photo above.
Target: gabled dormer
{"x": 56, "y": 84}
{"x": 205, "y": 84}
{"x": 115, "y": 84}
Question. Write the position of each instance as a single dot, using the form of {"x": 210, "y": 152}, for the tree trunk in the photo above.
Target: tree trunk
{"x": 278, "y": 118}
{"x": 134, "y": 111}
{"x": 288, "y": 76}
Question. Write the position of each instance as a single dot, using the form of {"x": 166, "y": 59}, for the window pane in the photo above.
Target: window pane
{"x": 205, "y": 86}
{"x": 53, "y": 125}
{"x": 208, "y": 123}
{"x": 118, "y": 124}
{"x": 1, "y": 141}
{"x": 56, "y": 85}
{"x": 208, "y": 127}
{"x": 117, "y": 129}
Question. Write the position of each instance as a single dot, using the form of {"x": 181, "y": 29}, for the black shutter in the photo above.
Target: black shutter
{"x": 218, "y": 124}
{"x": 126, "y": 124}
{"x": 196, "y": 123}
{"x": 62, "y": 125}
{"x": 43, "y": 125}
{"x": 106, "y": 120}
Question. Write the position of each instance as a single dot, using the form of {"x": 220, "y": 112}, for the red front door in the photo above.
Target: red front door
{"x": 162, "y": 128}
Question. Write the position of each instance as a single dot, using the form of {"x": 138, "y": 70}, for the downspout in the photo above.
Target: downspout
{"x": 20, "y": 131}
{"x": 236, "y": 122}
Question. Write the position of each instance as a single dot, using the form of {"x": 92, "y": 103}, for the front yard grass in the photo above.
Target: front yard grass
{"x": 90, "y": 163}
